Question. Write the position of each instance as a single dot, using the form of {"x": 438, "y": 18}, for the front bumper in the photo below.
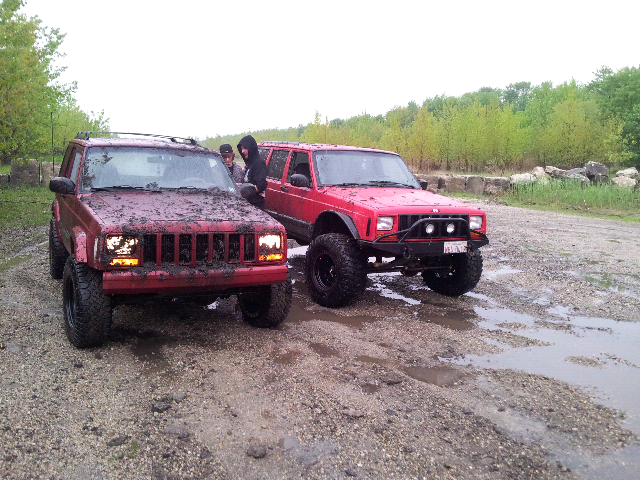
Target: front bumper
{"x": 409, "y": 248}
{"x": 184, "y": 279}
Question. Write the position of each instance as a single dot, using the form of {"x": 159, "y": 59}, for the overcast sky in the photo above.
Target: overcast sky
{"x": 203, "y": 68}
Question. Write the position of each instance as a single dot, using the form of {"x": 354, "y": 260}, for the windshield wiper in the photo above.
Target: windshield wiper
{"x": 345, "y": 184}
{"x": 120, "y": 187}
{"x": 389, "y": 182}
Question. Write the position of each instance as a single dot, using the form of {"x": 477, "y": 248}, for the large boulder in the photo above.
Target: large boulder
{"x": 577, "y": 174}
{"x": 475, "y": 185}
{"x": 522, "y": 179}
{"x": 554, "y": 172}
{"x": 455, "y": 183}
{"x": 46, "y": 173}
{"x": 495, "y": 186}
{"x": 25, "y": 172}
{"x": 625, "y": 182}
{"x": 596, "y": 172}
{"x": 628, "y": 172}
{"x": 541, "y": 176}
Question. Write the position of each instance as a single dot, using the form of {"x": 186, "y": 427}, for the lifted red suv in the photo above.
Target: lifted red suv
{"x": 361, "y": 211}
{"x": 152, "y": 215}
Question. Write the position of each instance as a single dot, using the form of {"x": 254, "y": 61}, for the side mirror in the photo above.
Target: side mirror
{"x": 299, "y": 180}
{"x": 423, "y": 184}
{"x": 247, "y": 190}
{"x": 62, "y": 185}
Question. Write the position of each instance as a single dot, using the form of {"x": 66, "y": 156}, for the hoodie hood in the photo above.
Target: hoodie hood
{"x": 250, "y": 144}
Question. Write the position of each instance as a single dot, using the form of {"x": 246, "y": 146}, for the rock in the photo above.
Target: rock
{"x": 391, "y": 379}
{"x": 628, "y": 172}
{"x": 625, "y": 182}
{"x": 179, "y": 397}
{"x": 117, "y": 441}
{"x": 353, "y": 413}
{"x": 541, "y": 175}
{"x": 554, "y": 172}
{"x": 179, "y": 431}
{"x": 257, "y": 451}
{"x": 455, "y": 183}
{"x": 4, "y": 179}
{"x": 475, "y": 185}
{"x": 596, "y": 172}
{"x": 522, "y": 179}
{"x": 160, "y": 407}
{"x": 495, "y": 185}
{"x": 350, "y": 473}
{"x": 578, "y": 174}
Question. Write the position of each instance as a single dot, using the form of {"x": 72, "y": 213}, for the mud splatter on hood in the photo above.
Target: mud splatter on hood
{"x": 134, "y": 207}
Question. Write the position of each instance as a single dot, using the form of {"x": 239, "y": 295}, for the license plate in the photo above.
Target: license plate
{"x": 455, "y": 247}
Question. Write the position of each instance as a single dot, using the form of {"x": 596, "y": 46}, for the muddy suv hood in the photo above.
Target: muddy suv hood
{"x": 133, "y": 207}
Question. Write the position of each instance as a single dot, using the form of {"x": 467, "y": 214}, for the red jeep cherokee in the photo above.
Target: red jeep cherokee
{"x": 157, "y": 215}
{"x": 360, "y": 211}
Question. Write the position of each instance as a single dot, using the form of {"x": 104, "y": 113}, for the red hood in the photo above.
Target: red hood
{"x": 377, "y": 198}
{"x": 136, "y": 208}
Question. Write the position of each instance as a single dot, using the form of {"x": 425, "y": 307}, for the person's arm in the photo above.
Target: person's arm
{"x": 259, "y": 176}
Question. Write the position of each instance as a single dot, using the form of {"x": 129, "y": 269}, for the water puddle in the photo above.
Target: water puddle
{"x": 598, "y": 354}
{"x": 300, "y": 314}
{"x": 147, "y": 347}
{"x": 287, "y": 358}
{"x": 324, "y": 350}
{"x": 441, "y": 375}
{"x": 454, "y": 319}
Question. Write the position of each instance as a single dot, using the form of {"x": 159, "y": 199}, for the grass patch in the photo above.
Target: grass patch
{"x": 23, "y": 206}
{"x": 603, "y": 201}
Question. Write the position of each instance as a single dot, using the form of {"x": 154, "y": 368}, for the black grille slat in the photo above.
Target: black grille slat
{"x": 202, "y": 247}
{"x": 217, "y": 252}
{"x": 184, "y": 252}
{"x": 149, "y": 252}
{"x": 234, "y": 248}
{"x": 249, "y": 248}
{"x": 440, "y": 230}
{"x": 167, "y": 252}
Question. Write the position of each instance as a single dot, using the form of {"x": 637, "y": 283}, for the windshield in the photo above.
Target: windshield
{"x": 354, "y": 167}
{"x": 153, "y": 169}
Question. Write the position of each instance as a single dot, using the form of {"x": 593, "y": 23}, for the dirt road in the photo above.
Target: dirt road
{"x": 534, "y": 375}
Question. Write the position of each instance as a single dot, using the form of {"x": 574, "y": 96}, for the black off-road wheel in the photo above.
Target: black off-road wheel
{"x": 266, "y": 306}
{"x": 463, "y": 275}
{"x": 335, "y": 270}
{"x": 57, "y": 253}
{"x": 87, "y": 310}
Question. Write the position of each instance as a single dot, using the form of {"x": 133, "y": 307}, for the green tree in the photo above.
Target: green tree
{"x": 618, "y": 95}
{"x": 28, "y": 93}
{"x": 422, "y": 140}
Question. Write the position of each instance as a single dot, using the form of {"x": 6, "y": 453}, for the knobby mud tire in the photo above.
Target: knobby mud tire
{"x": 335, "y": 270}
{"x": 462, "y": 278}
{"x": 57, "y": 253}
{"x": 266, "y": 306}
{"x": 87, "y": 310}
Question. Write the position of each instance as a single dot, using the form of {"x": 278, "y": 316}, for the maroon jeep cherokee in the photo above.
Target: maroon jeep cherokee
{"x": 152, "y": 215}
{"x": 361, "y": 211}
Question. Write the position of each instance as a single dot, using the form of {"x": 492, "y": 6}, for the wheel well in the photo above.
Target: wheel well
{"x": 335, "y": 222}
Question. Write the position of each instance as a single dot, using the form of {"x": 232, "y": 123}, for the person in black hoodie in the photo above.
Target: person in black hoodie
{"x": 255, "y": 171}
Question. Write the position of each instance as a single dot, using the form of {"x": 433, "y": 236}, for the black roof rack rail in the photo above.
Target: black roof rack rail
{"x": 174, "y": 139}
{"x": 281, "y": 142}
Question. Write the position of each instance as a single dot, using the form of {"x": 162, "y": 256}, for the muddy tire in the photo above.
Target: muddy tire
{"x": 334, "y": 270}
{"x": 462, "y": 277}
{"x": 57, "y": 253}
{"x": 266, "y": 306}
{"x": 87, "y": 310}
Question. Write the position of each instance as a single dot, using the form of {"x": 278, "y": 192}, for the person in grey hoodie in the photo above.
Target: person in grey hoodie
{"x": 255, "y": 171}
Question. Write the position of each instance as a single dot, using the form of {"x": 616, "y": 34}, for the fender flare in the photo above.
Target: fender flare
{"x": 346, "y": 219}
{"x": 79, "y": 244}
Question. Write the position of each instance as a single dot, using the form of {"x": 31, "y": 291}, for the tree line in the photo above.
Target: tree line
{"x": 32, "y": 102}
{"x": 496, "y": 129}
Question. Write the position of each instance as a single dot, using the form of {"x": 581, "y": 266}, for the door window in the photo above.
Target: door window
{"x": 299, "y": 164}
{"x": 276, "y": 164}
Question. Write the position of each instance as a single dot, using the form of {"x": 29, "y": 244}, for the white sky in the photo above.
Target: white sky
{"x": 202, "y": 68}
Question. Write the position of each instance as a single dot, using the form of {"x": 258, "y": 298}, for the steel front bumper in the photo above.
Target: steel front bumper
{"x": 185, "y": 279}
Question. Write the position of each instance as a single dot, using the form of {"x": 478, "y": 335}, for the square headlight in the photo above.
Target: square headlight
{"x": 384, "y": 224}
{"x": 122, "y": 245}
{"x": 270, "y": 247}
{"x": 475, "y": 222}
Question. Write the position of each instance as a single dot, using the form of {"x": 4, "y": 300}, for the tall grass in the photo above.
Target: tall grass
{"x": 601, "y": 200}
{"x": 24, "y": 206}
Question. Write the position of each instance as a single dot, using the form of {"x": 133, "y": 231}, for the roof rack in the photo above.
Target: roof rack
{"x": 281, "y": 142}
{"x": 87, "y": 135}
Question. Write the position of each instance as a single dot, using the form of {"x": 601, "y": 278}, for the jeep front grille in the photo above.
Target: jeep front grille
{"x": 198, "y": 249}
{"x": 439, "y": 224}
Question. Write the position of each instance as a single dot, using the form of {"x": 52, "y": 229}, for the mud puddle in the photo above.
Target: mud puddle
{"x": 440, "y": 375}
{"x": 299, "y": 313}
{"x": 600, "y": 355}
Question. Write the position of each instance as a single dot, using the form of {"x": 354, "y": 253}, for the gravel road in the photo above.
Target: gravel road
{"x": 404, "y": 383}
